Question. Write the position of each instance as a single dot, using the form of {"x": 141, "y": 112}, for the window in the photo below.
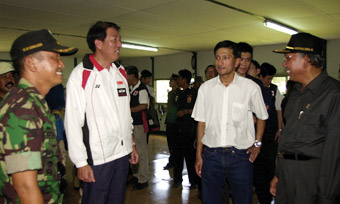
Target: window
{"x": 162, "y": 89}
{"x": 280, "y": 82}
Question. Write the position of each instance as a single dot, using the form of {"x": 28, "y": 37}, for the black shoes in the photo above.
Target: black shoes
{"x": 132, "y": 181}
{"x": 139, "y": 186}
{"x": 168, "y": 166}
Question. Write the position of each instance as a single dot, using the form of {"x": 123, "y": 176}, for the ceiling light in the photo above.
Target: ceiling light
{"x": 139, "y": 47}
{"x": 279, "y": 27}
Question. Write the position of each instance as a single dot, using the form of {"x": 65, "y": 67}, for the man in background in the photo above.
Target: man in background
{"x": 210, "y": 72}
{"x": 7, "y": 78}
{"x": 138, "y": 104}
{"x": 172, "y": 132}
{"x": 29, "y": 152}
{"x": 264, "y": 166}
{"x": 185, "y": 144}
{"x": 254, "y": 69}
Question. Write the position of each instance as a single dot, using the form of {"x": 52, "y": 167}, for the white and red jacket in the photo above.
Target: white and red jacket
{"x": 97, "y": 115}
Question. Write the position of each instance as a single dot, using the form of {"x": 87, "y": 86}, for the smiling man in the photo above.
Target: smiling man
{"x": 7, "y": 78}
{"x": 29, "y": 154}
{"x": 98, "y": 118}
{"x": 309, "y": 150}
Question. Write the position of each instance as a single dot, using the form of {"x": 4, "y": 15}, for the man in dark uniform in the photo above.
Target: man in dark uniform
{"x": 170, "y": 120}
{"x": 261, "y": 177}
{"x": 29, "y": 155}
{"x": 308, "y": 169}
{"x": 186, "y": 102}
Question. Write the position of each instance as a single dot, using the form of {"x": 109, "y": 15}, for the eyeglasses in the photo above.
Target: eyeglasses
{"x": 287, "y": 58}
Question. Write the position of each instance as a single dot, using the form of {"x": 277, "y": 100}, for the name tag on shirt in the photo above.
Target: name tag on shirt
{"x": 121, "y": 92}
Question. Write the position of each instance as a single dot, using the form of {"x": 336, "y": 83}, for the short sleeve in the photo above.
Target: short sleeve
{"x": 143, "y": 97}
{"x": 23, "y": 135}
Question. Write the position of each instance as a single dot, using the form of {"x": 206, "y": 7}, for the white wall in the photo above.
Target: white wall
{"x": 333, "y": 58}
{"x": 166, "y": 65}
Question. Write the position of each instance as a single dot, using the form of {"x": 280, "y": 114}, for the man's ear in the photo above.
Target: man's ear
{"x": 29, "y": 64}
{"x": 306, "y": 60}
{"x": 237, "y": 62}
{"x": 258, "y": 71}
{"x": 98, "y": 44}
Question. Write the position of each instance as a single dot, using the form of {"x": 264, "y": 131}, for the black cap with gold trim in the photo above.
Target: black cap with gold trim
{"x": 35, "y": 41}
{"x": 303, "y": 43}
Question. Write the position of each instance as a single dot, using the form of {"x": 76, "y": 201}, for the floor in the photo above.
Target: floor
{"x": 160, "y": 190}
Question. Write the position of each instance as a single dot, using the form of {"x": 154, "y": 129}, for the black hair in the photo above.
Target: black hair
{"x": 98, "y": 32}
{"x": 132, "y": 70}
{"x": 146, "y": 73}
{"x": 245, "y": 47}
{"x": 267, "y": 69}
{"x": 315, "y": 59}
{"x": 174, "y": 77}
{"x": 211, "y": 65}
{"x": 227, "y": 44}
{"x": 185, "y": 74}
{"x": 256, "y": 64}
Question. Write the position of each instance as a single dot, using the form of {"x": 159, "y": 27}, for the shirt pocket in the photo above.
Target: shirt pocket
{"x": 312, "y": 130}
{"x": 238, "y": 112}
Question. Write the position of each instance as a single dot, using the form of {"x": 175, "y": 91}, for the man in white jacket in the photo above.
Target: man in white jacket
{"x": 98, "y": 118}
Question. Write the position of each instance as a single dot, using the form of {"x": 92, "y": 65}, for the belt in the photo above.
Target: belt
{"x": 295, "y": 156}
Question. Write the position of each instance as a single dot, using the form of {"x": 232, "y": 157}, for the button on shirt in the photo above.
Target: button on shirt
{"x": 228, "y": 112}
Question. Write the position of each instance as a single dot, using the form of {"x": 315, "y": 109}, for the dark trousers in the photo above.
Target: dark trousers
{"x": 110, "y": 183}
{"x": 264, "y": 169}
{"x": 231, "y": 164}
{"x": 184, "y": 149}
{"x": 171, "y": 134}
{"x": 299, "y": 182}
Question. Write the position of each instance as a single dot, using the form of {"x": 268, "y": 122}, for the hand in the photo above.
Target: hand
{"x": 199, "y": 165}
{"x": 277, "y": 135}
{"x": 254, "y": 152}
{"x": 134, "y": 157}
{"x": 181, "y": 113}
{"x": 85, "y": 174}
{"x": 273, "y": 185}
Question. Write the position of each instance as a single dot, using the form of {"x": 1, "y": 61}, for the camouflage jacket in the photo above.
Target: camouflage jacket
{"x": 28, "y": 142}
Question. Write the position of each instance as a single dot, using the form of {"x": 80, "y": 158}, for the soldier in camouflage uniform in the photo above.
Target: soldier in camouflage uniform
{"x": 29, "y": 155}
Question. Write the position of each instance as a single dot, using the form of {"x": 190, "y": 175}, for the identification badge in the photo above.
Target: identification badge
{"x": 121, "y": 92}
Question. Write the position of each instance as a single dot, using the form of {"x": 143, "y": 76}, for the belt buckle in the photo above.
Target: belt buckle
{"x": 280, "y": 155}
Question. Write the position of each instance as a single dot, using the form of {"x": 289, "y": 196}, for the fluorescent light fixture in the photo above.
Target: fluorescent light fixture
{"x": 279, "y": 27}
{"x": 139, "y": 47}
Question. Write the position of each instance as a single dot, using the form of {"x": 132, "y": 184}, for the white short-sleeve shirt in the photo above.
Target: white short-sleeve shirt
{"x": 143, "y": 94}
{"x": 228, "y": 112}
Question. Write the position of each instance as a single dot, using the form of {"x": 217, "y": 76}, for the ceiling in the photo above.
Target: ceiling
{"x": 171, "y": 25}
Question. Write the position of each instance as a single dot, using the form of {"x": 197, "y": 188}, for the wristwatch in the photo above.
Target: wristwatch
{"x": 257, "y": 143}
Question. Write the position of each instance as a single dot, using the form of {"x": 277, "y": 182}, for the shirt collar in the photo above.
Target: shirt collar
{"x": 235, "y": 80}
{"x": 30, "y": 89}
{"x": 315, "y": 85}
{"x": 136, "y": 86}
